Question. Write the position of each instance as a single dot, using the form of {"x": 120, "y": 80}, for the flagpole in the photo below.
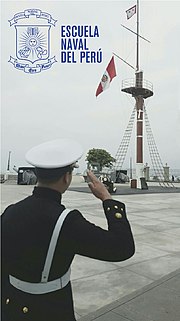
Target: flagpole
{"x": 124, "y": 60}
{"x": 137, "y": 52}
{"x": 139, "y": 110}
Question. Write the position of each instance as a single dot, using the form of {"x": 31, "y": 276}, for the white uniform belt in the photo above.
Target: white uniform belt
{"x": 41, "y": 288}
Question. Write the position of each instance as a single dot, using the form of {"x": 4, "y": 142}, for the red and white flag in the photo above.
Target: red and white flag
{"x": 130, "y": 12}
{"x": 107, "y": 77}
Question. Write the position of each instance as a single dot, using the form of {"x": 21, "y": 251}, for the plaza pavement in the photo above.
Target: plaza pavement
{"x": 158, "y": 301}
{"x": 155, "y": 222}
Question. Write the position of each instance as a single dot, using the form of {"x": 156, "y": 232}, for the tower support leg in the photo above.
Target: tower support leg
{"x": 139, "y": 140}
{"x": 139, "y": 173}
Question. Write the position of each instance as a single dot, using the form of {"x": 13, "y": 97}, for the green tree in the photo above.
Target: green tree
{"x": 100, "y": 156}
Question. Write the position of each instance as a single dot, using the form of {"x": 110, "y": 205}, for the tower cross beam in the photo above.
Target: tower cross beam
{"x": 136, "y": 33}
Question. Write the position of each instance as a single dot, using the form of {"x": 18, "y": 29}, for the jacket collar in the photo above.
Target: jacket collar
{"x": 48, "y": 193}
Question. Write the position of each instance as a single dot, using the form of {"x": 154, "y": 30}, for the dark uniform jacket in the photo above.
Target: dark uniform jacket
{"x": 27, "y": 227}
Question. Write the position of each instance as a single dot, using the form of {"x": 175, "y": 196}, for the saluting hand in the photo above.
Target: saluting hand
{"x": 97, "y": 188}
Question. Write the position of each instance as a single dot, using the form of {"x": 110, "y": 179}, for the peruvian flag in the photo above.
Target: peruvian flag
{"x": 130, "y": 12}
{"x": 107, "y": 77}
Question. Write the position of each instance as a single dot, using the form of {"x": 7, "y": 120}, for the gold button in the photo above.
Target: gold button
{"x": 108, "y": 209}
{"x": 25, "y": 309}
{"x": 118, "y": 215}
{"x": 115, "y": 206}
{"x": 7, "y": 301}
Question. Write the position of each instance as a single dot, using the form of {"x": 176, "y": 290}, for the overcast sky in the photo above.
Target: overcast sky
{"x": 61, "y": 102}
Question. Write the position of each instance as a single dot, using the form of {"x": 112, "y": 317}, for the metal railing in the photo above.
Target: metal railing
{"x": 132, "y": 82}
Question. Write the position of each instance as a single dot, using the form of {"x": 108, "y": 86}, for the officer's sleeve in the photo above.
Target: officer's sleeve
{"x": 114, "y": 244}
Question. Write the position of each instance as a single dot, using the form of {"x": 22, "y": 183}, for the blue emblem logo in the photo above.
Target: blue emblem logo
{"x": 32, "y": 42}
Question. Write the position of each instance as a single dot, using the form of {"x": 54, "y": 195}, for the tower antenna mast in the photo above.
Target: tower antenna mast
{"x": 137, "y": 44}
{"x": 139, "y": 89}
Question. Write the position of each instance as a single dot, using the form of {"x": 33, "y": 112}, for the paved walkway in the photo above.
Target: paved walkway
{"x": 155, "y": 222}
{"x": 158, "y": 301}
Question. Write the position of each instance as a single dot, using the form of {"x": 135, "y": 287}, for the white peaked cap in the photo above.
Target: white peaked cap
{"x": 55, "y": 154}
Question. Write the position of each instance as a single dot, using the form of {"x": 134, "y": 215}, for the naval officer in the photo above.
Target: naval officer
{"x": 40, "y": 238}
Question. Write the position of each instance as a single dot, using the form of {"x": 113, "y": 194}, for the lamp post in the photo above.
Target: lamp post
{"x": 9, "y": 159}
